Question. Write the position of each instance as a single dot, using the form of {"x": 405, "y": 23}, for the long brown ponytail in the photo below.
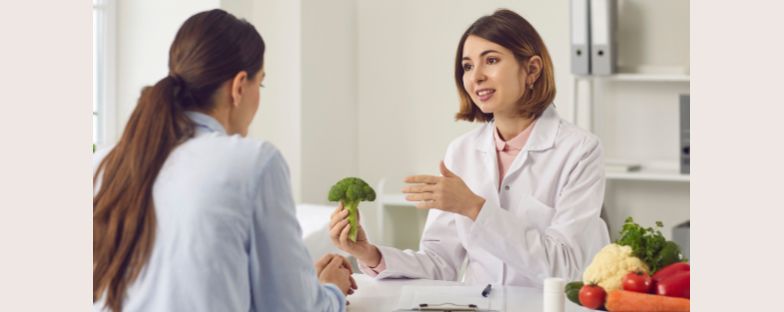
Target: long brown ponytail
{"x": 210, "y": 48}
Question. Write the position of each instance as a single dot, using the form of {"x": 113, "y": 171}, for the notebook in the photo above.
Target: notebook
{"x": 451, "y": 298}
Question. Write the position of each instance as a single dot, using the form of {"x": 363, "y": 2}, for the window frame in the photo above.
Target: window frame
{"x": 104, "y": 72}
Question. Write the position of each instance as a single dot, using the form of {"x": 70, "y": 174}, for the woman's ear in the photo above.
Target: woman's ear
{"x": 534, "y": 69}
{"x": 238, "y": 87}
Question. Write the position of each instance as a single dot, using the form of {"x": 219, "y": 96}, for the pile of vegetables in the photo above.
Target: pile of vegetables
{"x": 641, "y": 271}
{"x": 351, "y": 191}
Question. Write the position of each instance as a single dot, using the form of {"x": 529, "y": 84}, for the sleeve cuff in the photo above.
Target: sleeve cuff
{"x": 338, "y": 294}
{"x": 482, "y": 217}
{"x": 373, "y": 271}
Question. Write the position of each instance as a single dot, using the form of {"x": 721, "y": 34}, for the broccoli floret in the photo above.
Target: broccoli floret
{"x": 351, "y": 191}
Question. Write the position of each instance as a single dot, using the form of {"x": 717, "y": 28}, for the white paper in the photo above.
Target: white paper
{"x": 411, "y": 296}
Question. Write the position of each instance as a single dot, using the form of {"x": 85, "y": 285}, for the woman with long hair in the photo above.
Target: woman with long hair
{"x": 188, "y": 215}
{"x": 519, "y": 197}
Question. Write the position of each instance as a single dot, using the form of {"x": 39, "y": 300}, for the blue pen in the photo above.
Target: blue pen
{"x": 486, "y": 291}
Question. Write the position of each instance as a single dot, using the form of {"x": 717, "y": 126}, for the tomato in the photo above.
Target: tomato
{"x": 638, "y": 282}
{"x": 592, "y": 296}
{"x": 670, "y": 270}
{"x": 676, "y": 285}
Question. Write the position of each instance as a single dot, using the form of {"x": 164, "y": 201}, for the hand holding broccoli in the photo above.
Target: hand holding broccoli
{"x": 345, "y": 220}
{"x": 350, "y": 191}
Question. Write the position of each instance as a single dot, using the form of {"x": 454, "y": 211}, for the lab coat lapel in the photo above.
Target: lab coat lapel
{"x": 542, "y": 137}
{"x": 487, "y": 148}
{"x": 485, "y": 180}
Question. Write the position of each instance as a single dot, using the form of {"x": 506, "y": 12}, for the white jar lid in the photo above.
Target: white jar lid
{"x": 554, "y": 284}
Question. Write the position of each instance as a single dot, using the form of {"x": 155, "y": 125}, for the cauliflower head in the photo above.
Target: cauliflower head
{"x": 610, "y": 265}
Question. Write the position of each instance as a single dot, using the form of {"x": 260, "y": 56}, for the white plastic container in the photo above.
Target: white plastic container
{"x": 553, "y": 300}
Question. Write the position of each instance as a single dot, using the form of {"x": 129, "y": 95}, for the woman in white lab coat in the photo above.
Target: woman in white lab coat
{"x": 519, "y": 197}
{"x": 188, "y": 215}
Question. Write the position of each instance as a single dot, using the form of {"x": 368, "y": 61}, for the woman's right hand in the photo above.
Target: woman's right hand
{"x": 362, "y": 249}
{"x": 335, "y": 269}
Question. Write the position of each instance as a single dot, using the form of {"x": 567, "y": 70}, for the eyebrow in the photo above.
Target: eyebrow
{"x": 481, "y": 54}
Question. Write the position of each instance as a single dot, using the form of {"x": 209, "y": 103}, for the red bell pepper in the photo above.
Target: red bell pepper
{"x": 670, "y": 270}
{"x": 676, "y": 285}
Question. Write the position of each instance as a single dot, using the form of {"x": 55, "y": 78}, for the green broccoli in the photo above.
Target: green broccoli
{"x": 351, "y": 191}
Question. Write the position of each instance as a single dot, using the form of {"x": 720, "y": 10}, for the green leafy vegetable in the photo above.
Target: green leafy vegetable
{"x": 649, "y": 245}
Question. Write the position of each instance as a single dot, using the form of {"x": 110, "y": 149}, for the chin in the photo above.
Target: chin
{"x": 486, "y": 108}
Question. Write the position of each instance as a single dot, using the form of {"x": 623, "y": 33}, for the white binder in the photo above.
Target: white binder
{"x": 581, "y": 37}
{"x": 603, "y": 37}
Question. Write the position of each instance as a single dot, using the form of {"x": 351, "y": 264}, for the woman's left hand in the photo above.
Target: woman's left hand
{"x": 447, "y": 192}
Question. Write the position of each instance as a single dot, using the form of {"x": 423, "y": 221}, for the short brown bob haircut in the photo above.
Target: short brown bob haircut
{"x": 511, "y": 31}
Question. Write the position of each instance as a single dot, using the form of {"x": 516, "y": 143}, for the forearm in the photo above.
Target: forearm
{"x": 472, "y": 208}
{"x": 370, "y": 256}
{"x": 425, "y": 263}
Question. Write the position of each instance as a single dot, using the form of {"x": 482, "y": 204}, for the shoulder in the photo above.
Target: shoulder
{"x": 238, "y": 150}
{"x": 226, "y": 158}
{"x": 573, "y": 137}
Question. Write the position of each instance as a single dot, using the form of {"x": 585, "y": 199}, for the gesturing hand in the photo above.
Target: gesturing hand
{"x": 447, "y": 192}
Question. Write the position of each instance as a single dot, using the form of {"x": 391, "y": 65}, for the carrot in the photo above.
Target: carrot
{"x": 629, "y": 301}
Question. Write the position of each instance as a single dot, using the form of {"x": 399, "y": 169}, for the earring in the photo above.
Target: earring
{"x": 531, "y": 86}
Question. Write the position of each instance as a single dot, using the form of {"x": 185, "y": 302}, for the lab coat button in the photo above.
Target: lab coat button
{"x": 506, "y": 187}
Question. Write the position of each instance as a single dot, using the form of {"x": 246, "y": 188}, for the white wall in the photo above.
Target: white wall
{"x": 278, "y": 119}
{"x": 145, "y": 31}
{"x": 308, "y": 108}
{"x": 329, "y": 105}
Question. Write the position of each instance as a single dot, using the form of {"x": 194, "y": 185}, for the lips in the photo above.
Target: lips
{"x": 485, "y": 94}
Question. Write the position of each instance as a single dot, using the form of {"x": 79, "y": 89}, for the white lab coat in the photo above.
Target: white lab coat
{"x": 543, "y": 222}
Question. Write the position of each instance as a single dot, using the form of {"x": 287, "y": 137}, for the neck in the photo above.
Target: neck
{"x": 221, "y": 115}
{"x": 510, "y": 126}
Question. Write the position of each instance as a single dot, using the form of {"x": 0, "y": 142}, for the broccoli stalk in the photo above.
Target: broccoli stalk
{"x": 351, "y": 191}
{"x": 352, "y": 218}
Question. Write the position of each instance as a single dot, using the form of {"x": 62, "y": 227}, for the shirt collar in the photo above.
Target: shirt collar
{"x": 206, "y": 122}
{"x": 542, "y": 135}
{"x": 515, "y": 143}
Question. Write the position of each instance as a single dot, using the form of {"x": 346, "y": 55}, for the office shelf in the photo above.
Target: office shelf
{"x": 663, "y": 171}
{"x": 649, "y": 175}
{"x": 649, "y": 77}
{"x": 395, "y": 199}
{"x": 637, "y": 77}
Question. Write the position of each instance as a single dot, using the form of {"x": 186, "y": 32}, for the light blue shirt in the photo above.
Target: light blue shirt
{"x": 227, "y": 238}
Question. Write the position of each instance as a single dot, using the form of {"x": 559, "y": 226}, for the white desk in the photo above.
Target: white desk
{"x": 382, "y": 295}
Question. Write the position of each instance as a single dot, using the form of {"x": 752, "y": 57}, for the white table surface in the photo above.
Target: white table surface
{"x": 382, "y": 295}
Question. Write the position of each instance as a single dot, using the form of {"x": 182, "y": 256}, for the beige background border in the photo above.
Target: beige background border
{"x": 45, "y": 124}
{"x": 738, "y": 160}
{"x": 45, "y": 224}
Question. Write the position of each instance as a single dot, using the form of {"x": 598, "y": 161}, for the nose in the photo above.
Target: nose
{"x": 477, "y": 75}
